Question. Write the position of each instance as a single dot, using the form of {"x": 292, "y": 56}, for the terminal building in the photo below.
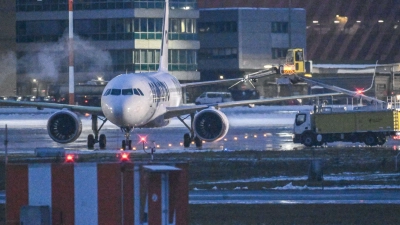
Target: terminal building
{"x": 110, "y": 38}
{"x": 340, "y": 31}
{"x": 210, "y": 39}
{"x": 235, "y": 41}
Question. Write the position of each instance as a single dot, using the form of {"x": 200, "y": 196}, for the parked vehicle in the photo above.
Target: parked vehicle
{"x": 14, "y": 98}
{"x": 325, "y": 125}
{"x": 213, "y": 97}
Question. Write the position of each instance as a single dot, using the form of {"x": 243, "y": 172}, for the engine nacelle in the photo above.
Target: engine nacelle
{"x": 64, "y": 126}
{"x": 210, "y": 125}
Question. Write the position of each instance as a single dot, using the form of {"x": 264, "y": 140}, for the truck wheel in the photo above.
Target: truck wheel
{"x": 381, "y": 139}
{"x": 319, "y": 141}
{"x": 370, "y": 139}
{"x": 308, "y": 139}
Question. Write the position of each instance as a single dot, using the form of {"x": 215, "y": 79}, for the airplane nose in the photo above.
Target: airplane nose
{"x": 118, "y": 114}
{"x": 122, "y": 113}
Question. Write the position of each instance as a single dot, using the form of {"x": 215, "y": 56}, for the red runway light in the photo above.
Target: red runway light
{"x": 125, "y": 157}
{"x": 359, "y": 91}
{"x": 69, "y": 158}
{"x": 142, "y": 139}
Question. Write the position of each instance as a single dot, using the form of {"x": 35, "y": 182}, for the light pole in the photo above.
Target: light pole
{"x": 290, "y": 24}
{"x": 37, "y": 87}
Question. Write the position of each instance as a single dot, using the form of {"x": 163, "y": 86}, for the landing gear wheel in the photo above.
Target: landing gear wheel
{"x": 123, "y": 146}
{"x": 130, "y": 144}
{"x": 102, "y": 141}
{"x": 126, "y": 144}
{"x": 308, "y": 139}
{"x": 186, "y": 140}
{"x": 90, "y": 141}
{"x": 198, "y": 142}
{"x": 370, "y": 139}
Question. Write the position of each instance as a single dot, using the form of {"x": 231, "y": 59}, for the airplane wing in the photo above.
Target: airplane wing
{"x": 344, "y": 91}
{"x": 186, "y": 109}
{"x": 246, "y": 78}
{"x": 41, "y": 105}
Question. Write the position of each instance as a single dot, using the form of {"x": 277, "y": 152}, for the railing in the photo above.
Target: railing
{"x": 393, "y": 102}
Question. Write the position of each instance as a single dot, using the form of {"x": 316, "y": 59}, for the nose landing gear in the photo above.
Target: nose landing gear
{"x": 127, "y": 143}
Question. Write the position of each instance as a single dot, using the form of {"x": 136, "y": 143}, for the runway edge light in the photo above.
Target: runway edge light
{"x": 70, "y": 158}
{"x": 124, "y": 157}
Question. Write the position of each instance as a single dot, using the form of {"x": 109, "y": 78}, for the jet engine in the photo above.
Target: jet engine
{"x": 64, "y": 126}
{"x": 210, "y": 125}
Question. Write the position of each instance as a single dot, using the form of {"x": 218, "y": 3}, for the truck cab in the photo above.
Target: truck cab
{"x": 302, "y": 124}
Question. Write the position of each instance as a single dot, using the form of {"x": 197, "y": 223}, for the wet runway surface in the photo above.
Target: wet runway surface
{"x": 261, "y": 128}
{"x": 296, "y": 197}
{"x": 264, "y": 128}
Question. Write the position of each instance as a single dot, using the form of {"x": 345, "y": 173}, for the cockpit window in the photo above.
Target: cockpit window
{"x": 127, "y": 91}
{"x": 107, "y": 92}
{"x": 140, "y": 91}
{"x": 115, "y": 91}
{"x": 137, "y": 91}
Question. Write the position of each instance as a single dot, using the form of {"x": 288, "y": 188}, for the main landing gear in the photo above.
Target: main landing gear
{"x": 94, "y": 138}
{"x": 188, "y": 138}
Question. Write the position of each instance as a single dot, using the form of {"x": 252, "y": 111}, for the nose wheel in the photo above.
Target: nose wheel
{"x": 127, "y": 143}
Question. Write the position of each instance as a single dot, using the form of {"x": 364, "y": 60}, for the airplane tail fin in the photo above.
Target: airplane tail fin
{"x": 163, "y": 66}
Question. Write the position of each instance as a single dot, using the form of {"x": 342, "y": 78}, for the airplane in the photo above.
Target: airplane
{"x": 148, "y": 100}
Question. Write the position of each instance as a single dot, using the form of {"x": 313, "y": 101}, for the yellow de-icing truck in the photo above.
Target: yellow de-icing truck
{"x": 323, "y": 125}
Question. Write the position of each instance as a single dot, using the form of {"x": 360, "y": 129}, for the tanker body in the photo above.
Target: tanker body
{"x": 324, "y": 126}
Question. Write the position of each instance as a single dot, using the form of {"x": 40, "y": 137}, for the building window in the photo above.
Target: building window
{"x": 106, "y": 29}
{"x": 218, "y": 27}
{"x": 182, "y": 60}
{"x": 278, "y": 53}
{"x": 217, "y": 53}
{"x": 381, "y": 87}
{"x": 57, "y": 5}
{"x": 279, "y": 27}
{"x": 143, "y": 60}
{"x": 182, "y": 29}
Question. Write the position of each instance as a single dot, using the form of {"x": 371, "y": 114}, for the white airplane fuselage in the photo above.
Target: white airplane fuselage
{"x": 140, "y": 99}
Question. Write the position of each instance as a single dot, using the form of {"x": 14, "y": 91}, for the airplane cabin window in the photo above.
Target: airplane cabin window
{"x": 127, "y": 91}
{"x": 136, "y": 92}
{"x": 115, "y": 91}
{"x": 107, "y": 92}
